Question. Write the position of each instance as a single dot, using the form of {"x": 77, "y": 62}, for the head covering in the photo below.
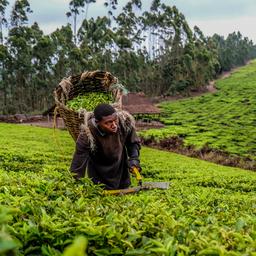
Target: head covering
{"x": 102, "y": 110}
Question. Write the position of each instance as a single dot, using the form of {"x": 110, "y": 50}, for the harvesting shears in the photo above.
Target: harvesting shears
{"x": 141, "y": 186}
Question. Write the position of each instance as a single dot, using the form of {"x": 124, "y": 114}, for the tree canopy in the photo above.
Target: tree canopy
{"x": 153, "y": 51}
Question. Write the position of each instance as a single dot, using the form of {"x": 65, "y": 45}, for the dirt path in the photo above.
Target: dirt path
{"x": 47, "y": 123}
{"x": 211, "y": 87}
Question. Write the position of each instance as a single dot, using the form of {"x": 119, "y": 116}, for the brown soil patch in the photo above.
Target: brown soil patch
{"x": 148, "y": 125}
{"x": 175, "y": 144}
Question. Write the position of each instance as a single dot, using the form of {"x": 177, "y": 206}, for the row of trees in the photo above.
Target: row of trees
{"x": 154, "y": 51}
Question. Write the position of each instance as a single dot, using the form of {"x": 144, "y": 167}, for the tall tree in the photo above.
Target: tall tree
{"x": 95, "y": 38}
{"x": 20, "y": 48}
{"x": 3, "y": 20}
{"x": 19, "y": 13}
{"x": 4, "y": 70}
{"x": 41, "y": 79}
{"x": 75, "y": 7}
{"x": 3, "y": 52}
{"x": 63, "y": 45}
{"x": 128, "y": 30}
{"x": 88, "y": 2}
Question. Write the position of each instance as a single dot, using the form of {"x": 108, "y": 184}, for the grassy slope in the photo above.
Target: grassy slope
{"x": 225, "y": 120}
{"x": 208, "y": 210}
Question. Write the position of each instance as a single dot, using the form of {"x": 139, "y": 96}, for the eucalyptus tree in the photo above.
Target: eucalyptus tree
{"x": 87, "y": 3}
{"x": 243, "y": 51}
{"x": 205, "y": 61}
{"x": 252, "y": 50}
{"x": 234, "y": 50}
{"x": 95, "y": 40}
{"x": 75, "y": 7}
{"x": 3, "y": 54}
{"x": 240, "y": 47}
{"x": 170, "y": 34}
{"x": 63, "y": 45}
{"x": 224, "y": 59}
{"x": 19, "y": 14}
{"x": 4, "y": 84}
{"x": 20, "y": 49}
{"x": 41, "y": 82}
{"x": 3, "y": 20}
{"x": 151, "y": 20}
{"x": 128, "y": 27}
{"x": 127, "y": 42}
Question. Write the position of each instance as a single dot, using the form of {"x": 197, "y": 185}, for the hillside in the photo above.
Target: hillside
{"x": 208, "y": 210}
{"x": 224, "y": 122}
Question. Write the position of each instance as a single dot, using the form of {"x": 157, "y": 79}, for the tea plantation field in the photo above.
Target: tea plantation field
{"x": 208, "y": 209}
{"x": 224, "y": 121}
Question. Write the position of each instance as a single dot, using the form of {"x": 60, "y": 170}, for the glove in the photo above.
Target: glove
{"x": 134, "y": 163}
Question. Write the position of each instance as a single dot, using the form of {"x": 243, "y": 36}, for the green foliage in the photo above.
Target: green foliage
{"x": 154, "y": 51}
{"x": 7, "y": 244}
{"x": 19, "y": 12}
{"x": 90, "y": 100}
{"x": 225, "y": 120}
{"x": 209, "y": 209}
{"x": 234, "y": 51}
{"x": 78, "y": 247}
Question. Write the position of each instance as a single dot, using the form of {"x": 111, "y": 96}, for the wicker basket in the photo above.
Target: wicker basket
{"x": 71, "y": 87}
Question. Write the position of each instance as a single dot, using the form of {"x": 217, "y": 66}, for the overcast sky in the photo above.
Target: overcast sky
{"x": 211, "y": 16}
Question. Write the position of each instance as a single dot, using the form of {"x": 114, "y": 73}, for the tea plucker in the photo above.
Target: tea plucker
{"x": 108, "y": 147}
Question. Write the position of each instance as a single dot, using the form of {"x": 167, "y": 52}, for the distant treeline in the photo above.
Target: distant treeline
{"x": 154, "y": 51}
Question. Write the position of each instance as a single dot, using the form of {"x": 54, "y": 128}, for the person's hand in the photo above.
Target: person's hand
{"x": 134, "y": 163}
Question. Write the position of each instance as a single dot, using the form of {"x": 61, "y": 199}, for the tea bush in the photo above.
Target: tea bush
{"x": 208, "y": 209}
{"x": 225, "y": 120}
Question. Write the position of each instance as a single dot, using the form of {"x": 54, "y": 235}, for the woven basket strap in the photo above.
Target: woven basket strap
{"x": 107, "y": 81}
{"x": 56, "y": 98}
{"x": 65, "y": 85}
{"x": 87, "y": 74}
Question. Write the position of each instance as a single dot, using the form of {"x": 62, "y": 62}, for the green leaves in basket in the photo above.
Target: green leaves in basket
{"x": 90, "y": 100}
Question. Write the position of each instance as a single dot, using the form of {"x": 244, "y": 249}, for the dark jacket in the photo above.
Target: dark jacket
{"x": 107, "y": 162}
